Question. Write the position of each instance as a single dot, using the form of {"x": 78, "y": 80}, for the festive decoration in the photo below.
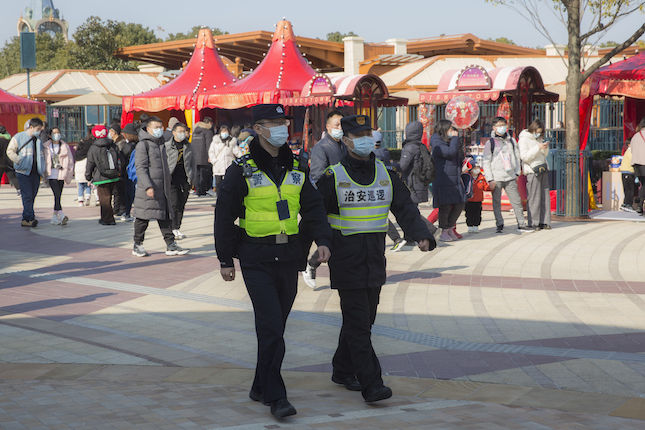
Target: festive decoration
{"x": 462, "y": 111}
{"x": 504, "y": 109}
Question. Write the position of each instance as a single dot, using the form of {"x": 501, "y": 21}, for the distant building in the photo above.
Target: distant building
{"x": 42, "y": 17}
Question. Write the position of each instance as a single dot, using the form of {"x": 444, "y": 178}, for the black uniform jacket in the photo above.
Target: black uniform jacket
{"x": 229, "y": 241}
{"x": 358, "y": 260}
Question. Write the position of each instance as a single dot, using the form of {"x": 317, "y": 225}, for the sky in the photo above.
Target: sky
{"x": 375, "y": 20}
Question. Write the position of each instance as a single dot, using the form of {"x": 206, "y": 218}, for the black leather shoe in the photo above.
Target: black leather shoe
{"x": 374, "y": 394}
{"x": 350, "y": 382}
{"x": 282, "y": 408}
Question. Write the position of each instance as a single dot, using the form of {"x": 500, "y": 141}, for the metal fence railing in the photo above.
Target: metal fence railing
{"x": 571, "y": 170}
{"x": 392, "y": 139}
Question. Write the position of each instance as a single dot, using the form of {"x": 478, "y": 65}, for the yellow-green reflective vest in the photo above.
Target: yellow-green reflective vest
{"x": 261, "y": 213}
{"x": 363, "y": 208}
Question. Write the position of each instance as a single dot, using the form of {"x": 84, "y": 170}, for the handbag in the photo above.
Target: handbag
{"x": 541, "y": 168}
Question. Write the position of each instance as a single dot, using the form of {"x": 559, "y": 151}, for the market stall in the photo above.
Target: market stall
{"x": 357, "y": 94}
{"x": 204, "y": 74}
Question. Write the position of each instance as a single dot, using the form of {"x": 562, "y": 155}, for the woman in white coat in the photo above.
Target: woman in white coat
{"x": 59, "y": 171}
{"x": 533, "y": 153}
{"x": 222, "y": 153}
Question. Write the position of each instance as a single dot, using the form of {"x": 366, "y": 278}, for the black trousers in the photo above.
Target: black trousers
{"x": 178, "y": 198}
{"x": 628, "y": 188}
{"x": 355, "y": 354}
{"x": 11, "y": 175}
{"x": 141, "y": 225}
{"x": 57, "y": 188}
{"x": 204, "y": 179}
{"x": 473, "y": 214}
{"x": 104, "y": 192}
{"x": 272, "y": 288}
{"x": 218, "y": 181}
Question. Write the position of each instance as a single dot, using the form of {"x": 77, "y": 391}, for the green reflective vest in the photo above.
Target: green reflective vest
{"x": 363, "y": 208}
{"x": 261, "y": 214}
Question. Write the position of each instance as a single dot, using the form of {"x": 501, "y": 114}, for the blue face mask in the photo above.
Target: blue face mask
{"x": 157, "y": 132}
{"x": 501, "y": 130}
{"x": 336, "y": 133}
{"x": 279, "y": 135}
{"x": 363, "y": 146}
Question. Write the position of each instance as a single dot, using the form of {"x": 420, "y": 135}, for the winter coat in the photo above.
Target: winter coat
{"x": 202, "y": 138}
{"x": 326, "y": 152}
{"x": 97, "y": 160}
{"x": 479, "y": 186}
{"x": 626, "y": 162}
{"x": 151, "y": 162}
{"x": 638, "y": 148}
{"x": 531, "y": 154}
{"x": 447, "y": 187}
{"x": 495, "y": 168}
{"x": 5, "y": 163}
{"x": 21, "y": 151}
{"x": 125, "y": 148}
{"x": 221, "y": 154}
{"x": 66, "y": 159}
{"x": 173, "y": 154}
{"x": 411, "y": 147}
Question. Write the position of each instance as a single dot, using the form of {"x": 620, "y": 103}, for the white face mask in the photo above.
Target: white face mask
{"x": 224, "y": 135}
{"x": 501, "y": 130}
{"x": 180, "y": 137}
{"x": 56, "y": 137}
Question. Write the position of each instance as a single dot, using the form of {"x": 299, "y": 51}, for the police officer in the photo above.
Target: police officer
{"x": 266, "y": 190}
{"x": 359, "y": 192}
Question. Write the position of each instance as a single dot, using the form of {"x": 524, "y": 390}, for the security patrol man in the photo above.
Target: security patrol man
{"x": 266, "y": 190}
{"x": 359, "y": 192}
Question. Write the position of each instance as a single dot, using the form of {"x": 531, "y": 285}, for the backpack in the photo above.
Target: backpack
{"x": 423, "y": 166}
{"x": 492, "y": 145}
{"x": 467, "y": 180}
{"x": 131, "y": 169}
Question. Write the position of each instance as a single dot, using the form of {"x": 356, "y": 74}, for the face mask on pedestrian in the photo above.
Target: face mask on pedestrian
{"x": 363, "y": 146}
{"x": 56, "y": 137}
{"x": 501, "y": 130}
{"x": 224, "y": 135}
{"x": 34, "y": 131}
{"x": 278, "y": 135}
{"x": 337, "y": 133}
{"x": 180, "y": 136}
{"x": 157, "y": 132}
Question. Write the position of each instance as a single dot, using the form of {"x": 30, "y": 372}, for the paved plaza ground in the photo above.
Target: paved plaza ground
{"x": 544, "y": 330}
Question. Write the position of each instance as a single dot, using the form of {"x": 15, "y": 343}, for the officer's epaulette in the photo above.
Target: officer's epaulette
{"x": 242, "y": 160}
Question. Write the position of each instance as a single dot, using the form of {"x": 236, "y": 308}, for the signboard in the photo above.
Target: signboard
{"x": 474, "y": 78}
{"x": 320, "y": 86}
{"x": 27, "y": 50}
{"x": 462, "y": 111}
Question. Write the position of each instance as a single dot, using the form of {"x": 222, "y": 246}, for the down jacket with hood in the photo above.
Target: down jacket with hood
{"x": 151, "y": 162}
{"x": 97, "y": 160}
{"x": 411, "y": 147}
{"x": 222, "y": 153}
{"x": 201, "y": 141}
{"x": 531, "y": 154}
{"x": 448, "y": 157}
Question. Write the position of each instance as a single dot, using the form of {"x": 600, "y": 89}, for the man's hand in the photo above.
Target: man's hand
{"x": 228, "y": 273}
{"x": 323, "y": 254}
{"x": 150, "y": 192}
{"x": 491, "y": 185}
{"x": 424, "y": 245}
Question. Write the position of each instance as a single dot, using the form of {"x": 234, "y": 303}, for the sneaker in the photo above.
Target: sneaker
{"x": 174, "y": 249}
{"x": 178, "y": 235}
{"x": 97, "y": 203}
{"x": 55, "y": 220}
{"x": 398, "y": 245}
{"x": 81, "y": 203}
{"x": 545, "y": 226}
{"x": 139, "y": 251}
{"x": 62, "y": 218}
{"x": 25, "y": 223}
{"x": 309, "y": 276}
{"x": 500, "y": 229}
{"x": 211, "y": 193}
{"x": 87, "y": 201}
{"x": 446, "y": 236}
{"x": 475, "y": 229}
{"x": 457, "y": 235}
{"x": 128, "y": 218}
{"x": 525, "y": 229}
{"x": 627, "y": 208}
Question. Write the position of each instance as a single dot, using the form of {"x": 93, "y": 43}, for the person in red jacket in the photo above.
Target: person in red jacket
{"x": 473, "y": 207}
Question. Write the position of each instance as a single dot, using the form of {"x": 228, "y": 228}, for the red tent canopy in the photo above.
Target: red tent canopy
{"x": 282, "y": 73}
{"x": 204, "y": 74}
{"x": 11, "y": 106}
{"x": 624, "y": 78}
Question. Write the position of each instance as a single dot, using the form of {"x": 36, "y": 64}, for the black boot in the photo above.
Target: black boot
{"x": 282, "y": 408}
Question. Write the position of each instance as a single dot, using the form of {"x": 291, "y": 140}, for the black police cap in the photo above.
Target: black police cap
{"x": 355, "y": 123}
{"x": 267, "y": 111}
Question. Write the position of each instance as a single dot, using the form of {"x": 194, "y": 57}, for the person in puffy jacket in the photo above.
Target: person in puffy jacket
{"x": 59, "y": 169}
{"x": 533, "y": 152}
{"x": 202, "y": 137}
{"x": 221, "y": 153}
{"x": 103, "y": 170}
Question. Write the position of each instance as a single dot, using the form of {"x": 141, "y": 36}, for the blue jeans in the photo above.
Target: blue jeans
{"x": 28, "y": 190}
{"x": 84, "y": 191}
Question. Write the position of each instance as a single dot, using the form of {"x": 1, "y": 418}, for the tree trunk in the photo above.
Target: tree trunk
{"x": 571, "y": 110}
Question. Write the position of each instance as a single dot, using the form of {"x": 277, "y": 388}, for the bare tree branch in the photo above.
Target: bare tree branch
{"x": 617, "y": 14}
{"x": 613, "y": 52}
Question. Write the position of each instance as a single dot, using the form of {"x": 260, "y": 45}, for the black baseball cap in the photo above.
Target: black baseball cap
{"x": 268, "y": 111}
{"x": 355, "y": 123}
